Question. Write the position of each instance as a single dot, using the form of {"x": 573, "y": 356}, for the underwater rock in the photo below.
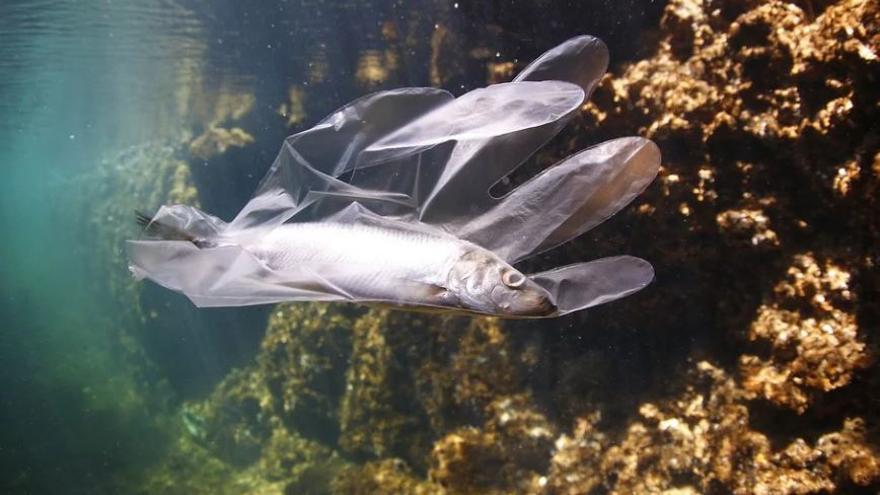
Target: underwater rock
{"x": 373, "y": 68}
{"x": 765, "y": 113}
{"x": 499, "y": 72}
{"x": 208, "y": 107}
{"x": 468, "y": 365}
{"x": 461, "y": 459}
{"x": 481, "y": 368}
{"x": 414, "y": 378}
{"x": 302, "y": 465}
{"x": 812, "y": 333}
{"x": 235, "y": 421}
{"x": 182, "y": 190}
{"x": 189, "y": 469}
{"x": 289, "y": 464}
{"x": 847, "y": 452}
{"x": 702, "y": 442}
{"x": 227, "y": 105}
{"x": 506, "y": 455}
{"x": 213, "y": 111}
{"x": 388, "y": 476}
{"x": 303, "y": 359}
{"x": 446, "y": 62}
{"x": 576, "y": 465}
{"x": 216, "y": 140}
{"x": 262, "y": 429}
{"x": 751, "y": 92}
{"x": 294, "y": 109}
{"x": 747, "y": 227}
{"x": 377, "y": 417}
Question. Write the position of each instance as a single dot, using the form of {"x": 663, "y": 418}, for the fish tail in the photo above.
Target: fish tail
{"x": 160, "y": 230}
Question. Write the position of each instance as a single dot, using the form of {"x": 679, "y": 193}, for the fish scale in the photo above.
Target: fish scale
{"x": 364, "y": 260}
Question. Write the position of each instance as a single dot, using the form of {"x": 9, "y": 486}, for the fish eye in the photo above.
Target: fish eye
{"x": 513, "y": 278}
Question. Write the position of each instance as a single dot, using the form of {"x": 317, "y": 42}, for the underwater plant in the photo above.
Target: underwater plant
{"x": 388, "y": 200}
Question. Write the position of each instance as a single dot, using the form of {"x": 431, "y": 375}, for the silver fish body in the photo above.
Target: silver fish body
{"x": 406, "y": 267}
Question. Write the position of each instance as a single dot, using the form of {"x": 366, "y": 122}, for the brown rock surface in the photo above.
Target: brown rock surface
{"x": 702, "y": 441}
{"x": 813, "y": 337}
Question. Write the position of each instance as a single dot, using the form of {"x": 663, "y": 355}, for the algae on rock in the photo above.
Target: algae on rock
{"x": 812, "y": 333}
{"x": 303, "y": 359}
{"x": 702, "y": 441}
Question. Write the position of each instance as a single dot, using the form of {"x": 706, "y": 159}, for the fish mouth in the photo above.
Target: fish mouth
{"x": 523, "y": 303}
{"x": 543, "y": 306}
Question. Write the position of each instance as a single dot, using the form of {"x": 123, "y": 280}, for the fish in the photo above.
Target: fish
{"x": 426, "y": 270}
{"x": 387, "y": 202}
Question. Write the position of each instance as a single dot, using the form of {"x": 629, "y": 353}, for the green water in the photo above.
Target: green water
{"x": 78, "y": 82}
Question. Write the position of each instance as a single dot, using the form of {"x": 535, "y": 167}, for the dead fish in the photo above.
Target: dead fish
{"x": 386, "y": 201}
{"x": 420, "y": 269}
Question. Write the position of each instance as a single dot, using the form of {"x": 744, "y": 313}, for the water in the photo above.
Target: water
{"x": 72, "y": 81}
{"x": 758, "y": 228}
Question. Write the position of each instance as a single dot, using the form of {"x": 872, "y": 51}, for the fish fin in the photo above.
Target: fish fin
{"x": 441, "y": 296}
{"x": 163, "y": 231}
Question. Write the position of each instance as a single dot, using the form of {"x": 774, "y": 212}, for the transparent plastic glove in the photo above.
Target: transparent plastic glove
{"x": 416, "y": 161}
{"x": 584, "y": 285}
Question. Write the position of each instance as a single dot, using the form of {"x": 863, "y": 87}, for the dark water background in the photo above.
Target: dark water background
{"x": 81, "y": 81}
